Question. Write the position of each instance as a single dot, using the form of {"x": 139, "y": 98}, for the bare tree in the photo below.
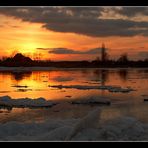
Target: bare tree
{"x": 123, "y": 58}
{"x": 104, "y": 54}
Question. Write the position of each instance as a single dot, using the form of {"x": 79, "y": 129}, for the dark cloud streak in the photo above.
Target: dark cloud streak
{"x": 81, "y": 20}
{"x": 70, "y": 51}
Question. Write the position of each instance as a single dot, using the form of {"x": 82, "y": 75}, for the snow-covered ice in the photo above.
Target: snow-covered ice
{"x": 85, "y": 87}
{"x": 82, "y": 87}
{"x": 92, "y": 101}
{"x": 63, "y": 79}
{"x": 84, "y": 129}
{"x": 7, "y": 101}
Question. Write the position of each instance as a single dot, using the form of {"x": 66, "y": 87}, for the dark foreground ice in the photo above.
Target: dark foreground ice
{"x": 87, "y": 128}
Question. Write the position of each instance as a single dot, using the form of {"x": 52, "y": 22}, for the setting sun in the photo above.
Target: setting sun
{"x": 29, "y": 48}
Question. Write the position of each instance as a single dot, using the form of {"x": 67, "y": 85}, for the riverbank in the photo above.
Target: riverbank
{"x": 21, "y": 69}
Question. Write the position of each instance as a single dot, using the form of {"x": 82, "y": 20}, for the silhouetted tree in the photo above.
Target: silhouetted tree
{"x": 123, "y": 58}
{"x": 4, "y": 58}
{"x": 146, "y": 60}
{"x": 104, "y": 54}
{"x": 97, "y": 59}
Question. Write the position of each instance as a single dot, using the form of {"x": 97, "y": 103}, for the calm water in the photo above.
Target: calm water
{"x": 34, "y": 84}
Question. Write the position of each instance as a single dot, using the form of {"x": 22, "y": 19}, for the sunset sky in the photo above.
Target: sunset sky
{"x": 74, "y": 33}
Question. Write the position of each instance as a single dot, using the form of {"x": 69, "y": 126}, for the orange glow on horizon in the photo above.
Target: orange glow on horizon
{"x": 24, "y": 37}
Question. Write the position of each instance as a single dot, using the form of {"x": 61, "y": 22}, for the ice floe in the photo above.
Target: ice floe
{"x": 62, "y": 79}
{"x": 114, "y": 89}
{"x": 7, "y": 101}
{"x": 20, "y": 86}
{"x": 23, "y": 90}
{"x": 87, "y": 128}
{"x": 92, "y": 101}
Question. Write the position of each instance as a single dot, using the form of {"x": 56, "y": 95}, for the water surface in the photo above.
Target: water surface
{"x": 35, "y": 84}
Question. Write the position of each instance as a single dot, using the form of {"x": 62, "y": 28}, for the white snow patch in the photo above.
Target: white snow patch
{"x": 85, "y": 129}
{"x": 7, "y": 101}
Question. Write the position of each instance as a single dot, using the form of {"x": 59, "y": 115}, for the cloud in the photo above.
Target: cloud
{"x": 43, "y": 49}
{"x": 83, "y": 20}
{"x": 63, "y": 51}
{"x": 93, "y": 51}
{"x": 70, "y": 51}
{"x": 14, "y": 26}
{"x": 132, "y": 11}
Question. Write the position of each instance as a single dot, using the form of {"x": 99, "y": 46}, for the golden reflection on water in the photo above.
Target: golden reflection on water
{"x": 36, "y": 83}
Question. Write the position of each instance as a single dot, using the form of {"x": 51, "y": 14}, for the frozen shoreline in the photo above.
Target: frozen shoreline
{"x": 21, "y": 69}
{"x": 8, "y": 102}
{"x": 84, "y": 129}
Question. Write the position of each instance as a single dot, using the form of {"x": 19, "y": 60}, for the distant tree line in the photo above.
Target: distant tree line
{"x": 123, "y": 61}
